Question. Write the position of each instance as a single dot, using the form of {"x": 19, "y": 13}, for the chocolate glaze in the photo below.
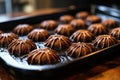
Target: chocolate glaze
{"x": 38, "y": 35}
{"x": 79, "y": 49}
{"x": 78, "y": 24}
{"x": 82, "y": 36}
{"x": 104, "y": 41}
{"x": 64, "y": 29}
{"x": 93, "y": 19}
{"x": 66, "y": 18}
{"x": 48, "y": 24}
{"x": 110, "y": 23}
{"x": 58, "y": 42}
{"x": 20, "y": 47}
{"x": 22, "y": 29}
{"x": 98, "y": 29}
{"x": 116, "y": 33}
{"x": 82, "y": 15}
{"x": 43, "y": 56}
{"x": 6, "y": 39}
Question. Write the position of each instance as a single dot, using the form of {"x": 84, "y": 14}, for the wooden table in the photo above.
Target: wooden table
{"x": 106, "y": 71}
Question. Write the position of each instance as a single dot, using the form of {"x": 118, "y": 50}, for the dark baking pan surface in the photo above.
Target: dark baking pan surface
{"x": 60, "y": 70}
{"x": 20, "y": 68}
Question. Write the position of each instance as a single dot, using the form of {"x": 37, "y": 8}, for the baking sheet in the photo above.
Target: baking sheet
{"x": 18, "y": 66}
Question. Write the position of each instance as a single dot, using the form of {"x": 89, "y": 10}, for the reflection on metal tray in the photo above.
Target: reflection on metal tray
{"x": 109, "y": 11}
{"x": 20, "y": 68}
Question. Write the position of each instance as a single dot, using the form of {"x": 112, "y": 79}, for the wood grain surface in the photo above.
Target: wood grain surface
{"x": 106, "y": 71}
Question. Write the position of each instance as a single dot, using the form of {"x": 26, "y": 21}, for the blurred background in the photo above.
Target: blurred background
{"x": 27, "y": 6}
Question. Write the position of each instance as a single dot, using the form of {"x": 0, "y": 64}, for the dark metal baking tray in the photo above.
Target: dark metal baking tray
{"x": 57, "y": 71}
{"x": 115, "y": 12}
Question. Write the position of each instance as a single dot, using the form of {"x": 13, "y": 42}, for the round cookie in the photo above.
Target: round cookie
{"x": 79, "y": 49}
{"x": 103, "y": 41}
{"x": 98, "y": 29}
{"x": 19, "y": 47}
{"x": 7, "y": 38}
{"x": 64, "y": 29}
{"x": 22, "y": 29}
{"x": 48, "y": 24}
{"x": 66, "y": 19}
{"x": 43, "y": 56}
{"x": 58, "y": 42}
{"x": 38, "y": 35}
{"x": 82, "y": 36}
